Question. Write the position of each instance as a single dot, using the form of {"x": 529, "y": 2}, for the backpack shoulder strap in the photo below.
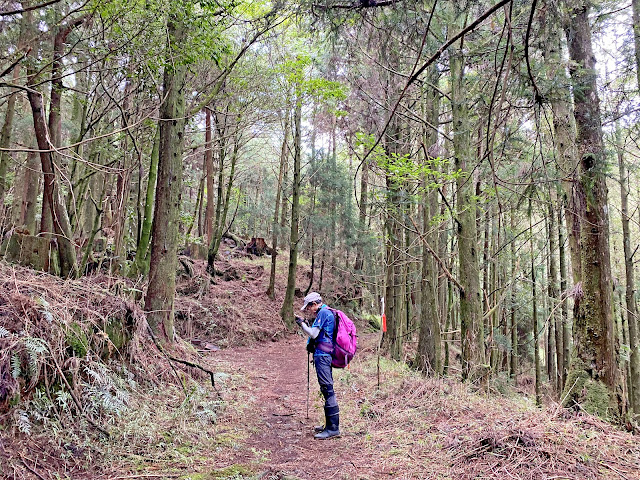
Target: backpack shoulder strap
{"x": 336, "y": 322}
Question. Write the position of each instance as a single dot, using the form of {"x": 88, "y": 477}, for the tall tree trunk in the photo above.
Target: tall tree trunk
{"x": 271, "y": 293}
{"x": 564, "y": 309}
{"x": 395, "y": 302}
{"x": 429, "y": 353}
{"x": 429, "y": 341}
{"x": 286, "y": 312}
{"x": 632, "y": 315}
{"x": 209, "y": 171}
{"x": 221, "y": 128}
{"x": 555, "y": 357}
{"x": 54, "y": 213}
{"x": 164, "y": 241}
{"x": 635, "y": 5}
{"x": 534, "y": 303}
{"x": 513, "y": 365}
{"x": 594, "y": 367}
{"x": 227, "y": 194}
{"x": 564, "y": 127}
{"x": 123, "y": 182}
{"x": 471, "y": 339}
{"x": 5, "y": 138}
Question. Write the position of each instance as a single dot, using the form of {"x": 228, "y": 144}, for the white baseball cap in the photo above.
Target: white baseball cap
{"x": 313, "y": 297}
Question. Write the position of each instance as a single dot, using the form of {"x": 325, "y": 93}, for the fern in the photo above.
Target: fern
{"x": 16, "y": 367}
{"x": 4, "y": 332}
{"x": 107, "y": 391}
{"x": 42, "y": 408}
{"x": 63, "y": 399}
{"x": 46, "y": 314}
{"x": 23, "y": 422}
{"x": 35, "y": 348}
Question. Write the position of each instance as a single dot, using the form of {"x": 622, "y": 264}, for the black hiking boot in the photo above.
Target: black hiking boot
{"x": 320, "y": 428}
{"x": 331, "y": 430}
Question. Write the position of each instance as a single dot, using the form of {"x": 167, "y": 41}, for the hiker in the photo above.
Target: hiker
{"x": 320, "y": 340}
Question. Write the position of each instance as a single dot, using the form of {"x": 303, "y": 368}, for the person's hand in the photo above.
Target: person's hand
{"x": 299, "y": 320}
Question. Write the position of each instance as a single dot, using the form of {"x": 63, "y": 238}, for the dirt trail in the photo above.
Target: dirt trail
{"x": 282, "y": 435}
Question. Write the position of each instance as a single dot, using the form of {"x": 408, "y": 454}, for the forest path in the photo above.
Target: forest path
{"x": 281, "y": 443}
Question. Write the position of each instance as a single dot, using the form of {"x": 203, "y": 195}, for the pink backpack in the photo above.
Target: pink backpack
{"x": 345, "y": 340}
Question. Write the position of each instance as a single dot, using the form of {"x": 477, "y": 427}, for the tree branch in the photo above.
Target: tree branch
{"x": 359, "y": 5}
{"x": 28, "y": 9}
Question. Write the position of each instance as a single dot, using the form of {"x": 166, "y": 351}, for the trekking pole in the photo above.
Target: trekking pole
{"x": 308, "y": 369}
{"x": 383, "y": 328}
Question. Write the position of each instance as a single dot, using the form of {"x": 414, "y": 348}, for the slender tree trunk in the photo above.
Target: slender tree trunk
{"x": 209, "y": 170}
{"x": 594, "y": 367}
{"x": 513, "y": 366}
{"x": 54, "y": 213}
{"x": 286, "y": 312}
{"x": 197, "y": 208}
{"x": 274, "y": 235}
{"x": 566, "y": 334}
{"x": 199, "y": 218}
{"x": 164, "y": 241}
{"x": 218, "y": 224}
{"x": 140, "y": 265}
{"x": 123, "y": 183}
{"x": 635, "y": 5}
{"x": 227, "y": 194}
{"x": 534, "y": 303}
{"x": 555, "y": 356}
{"x": 29, "y": 196}
{"x": 632, "y": 315}
{"x": 5, "y": 138}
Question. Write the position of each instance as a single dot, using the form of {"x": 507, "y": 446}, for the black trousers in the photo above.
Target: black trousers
{"x": 325, "y": 380}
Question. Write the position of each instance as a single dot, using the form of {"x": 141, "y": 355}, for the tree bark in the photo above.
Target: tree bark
{"x": 286, "y": 312}
{"x": 534, "y": 303}
{"x": 29, "y": 197}
{"x": 274, "y": 234}
{"x": 471, "y": 337}
{"x": 555, "y": 360}
{"x": 632, "y": 311}
{"x": 564, "y": 309}
{"x": 563, "y": 126}
{"x": 54, "y": 213}
{"x": 513, "y": 365}
{"x": 140, "y": 265}
{"x": 594, "y": 367}
{"x": 635, "y": 5}
{"x": 5, "y": 138}
{"x": 164, "y": 241}
{"x": 429, "y": 352}
{"x": 209, "y": 171}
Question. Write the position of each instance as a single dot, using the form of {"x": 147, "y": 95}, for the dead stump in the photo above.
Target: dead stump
{"x": 257, "y": 246}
